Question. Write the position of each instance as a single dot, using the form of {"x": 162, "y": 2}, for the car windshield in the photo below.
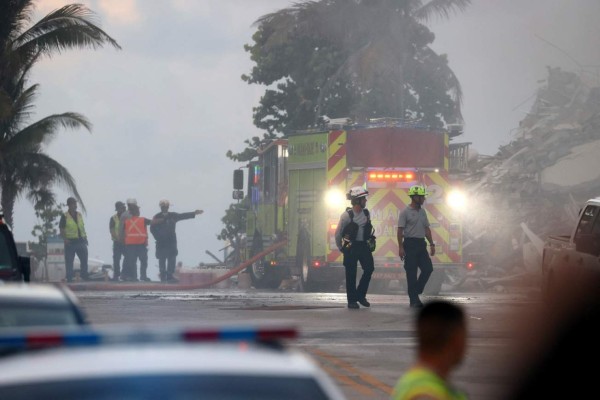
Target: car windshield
{"x": 26, "y": 315}
{"x": 170, "y": 387}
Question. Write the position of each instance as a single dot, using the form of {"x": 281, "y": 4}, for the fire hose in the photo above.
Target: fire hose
{"x": 170, "y": 286}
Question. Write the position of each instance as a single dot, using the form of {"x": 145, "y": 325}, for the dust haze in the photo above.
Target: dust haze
{"x": 168, "y": 106}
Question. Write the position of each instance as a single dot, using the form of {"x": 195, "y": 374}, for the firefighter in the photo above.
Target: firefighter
{"x": 351, "y": 236}
{"x": 72, "y": 230}
{"x": 413, "y": 228}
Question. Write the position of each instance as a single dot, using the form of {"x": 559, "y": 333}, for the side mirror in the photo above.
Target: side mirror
{"x": 238, "y": 195}
{"x": 238, "y": 179}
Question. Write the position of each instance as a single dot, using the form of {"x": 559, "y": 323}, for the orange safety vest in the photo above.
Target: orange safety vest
{"x": 135, "y": 231}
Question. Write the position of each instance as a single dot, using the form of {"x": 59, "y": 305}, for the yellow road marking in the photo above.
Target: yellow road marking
{"x": 371, "y": 380}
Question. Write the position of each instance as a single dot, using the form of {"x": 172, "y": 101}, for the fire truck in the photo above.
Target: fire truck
{"x": 296, "y": 193}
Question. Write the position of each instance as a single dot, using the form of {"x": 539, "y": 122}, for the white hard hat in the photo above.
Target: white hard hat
{"x": 356, "y": 192}
{"x": 132, "y": 201}
{"x": 163, "y": 202}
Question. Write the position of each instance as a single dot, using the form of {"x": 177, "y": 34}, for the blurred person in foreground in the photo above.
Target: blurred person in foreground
{"x": 558, "y": 342}
{"x": 72, "y": 230}
{"x": 163, "y": 230}
{"x": 441, "y": 345}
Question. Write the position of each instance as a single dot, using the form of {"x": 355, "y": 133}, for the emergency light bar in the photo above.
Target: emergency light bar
{"x": 22, "y": 340}
{"x": 391, "y": 176}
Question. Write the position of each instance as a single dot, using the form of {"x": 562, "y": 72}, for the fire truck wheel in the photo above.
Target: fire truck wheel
{"x": 263, "y": 276}
{"x": 302, "y": 263}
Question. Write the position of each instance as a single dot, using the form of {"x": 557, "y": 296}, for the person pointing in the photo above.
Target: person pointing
{"x": 163, "y": 230}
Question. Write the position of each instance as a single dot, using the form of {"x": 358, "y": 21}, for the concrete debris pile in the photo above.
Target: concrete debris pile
{"x": 534, "y": 186}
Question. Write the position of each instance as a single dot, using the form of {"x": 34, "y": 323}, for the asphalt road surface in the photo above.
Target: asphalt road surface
{"x": 364, "y": 350}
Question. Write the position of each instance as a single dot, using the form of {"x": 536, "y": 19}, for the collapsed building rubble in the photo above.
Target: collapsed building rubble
{"x": 534, "y": 186}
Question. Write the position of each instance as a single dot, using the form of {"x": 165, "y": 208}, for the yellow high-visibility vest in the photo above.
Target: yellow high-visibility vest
{"x": 74, "y": 229}
{"x": 116, "y": 229}
{"x": 420, "y": 381}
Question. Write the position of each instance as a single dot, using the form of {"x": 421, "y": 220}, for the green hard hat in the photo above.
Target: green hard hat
{"x": 417, "y": 190}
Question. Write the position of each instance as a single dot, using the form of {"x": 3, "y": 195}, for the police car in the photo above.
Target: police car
{"x": 39, "y": 304}
{"x": 149, "y": 363}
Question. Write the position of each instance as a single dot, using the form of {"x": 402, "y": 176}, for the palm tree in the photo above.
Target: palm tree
{"x": 386, "y": 45}
{"x": 24, "y": 167}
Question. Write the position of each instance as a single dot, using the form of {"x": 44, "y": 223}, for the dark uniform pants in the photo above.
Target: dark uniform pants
{"x": 416, "y": 258}
{"x": 118, "y": 254}
{"x": 132, "y": 253}
{"x": 76, "y": 247}
{"x": 358, "y": 253}
{"x": 167, "y": 256}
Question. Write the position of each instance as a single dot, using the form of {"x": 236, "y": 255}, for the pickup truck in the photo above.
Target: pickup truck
{"x": 13, "y": 267}
{"x": 568, "y": 257}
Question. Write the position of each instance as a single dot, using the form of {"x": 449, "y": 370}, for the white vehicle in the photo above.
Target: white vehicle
{"x": 144, "y": 363}
{"x": 574, "y": 255}
{"x": 39, "y": 304}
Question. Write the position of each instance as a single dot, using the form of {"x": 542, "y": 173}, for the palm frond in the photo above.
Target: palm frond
{"x": 54, "y": 174}
{"x": 440, "y": 8}
{"x": 45, "y": 130}
{"x": 71, "y": 26}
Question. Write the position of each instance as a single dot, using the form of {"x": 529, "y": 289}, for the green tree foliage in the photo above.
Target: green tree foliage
{"x": 360, "y": 59}
{"x": 235, "y": 225}
{"x": 47, "y": 226}
{"x": 25, "y": 169}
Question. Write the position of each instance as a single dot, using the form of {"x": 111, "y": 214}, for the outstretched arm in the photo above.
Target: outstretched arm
{"x": 187, "y": 215}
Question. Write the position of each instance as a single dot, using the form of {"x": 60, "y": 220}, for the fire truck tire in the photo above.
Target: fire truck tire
{"x": 302, "y": 262}
{"x": 303, "y": 259}
{"x": 263, "y": 276}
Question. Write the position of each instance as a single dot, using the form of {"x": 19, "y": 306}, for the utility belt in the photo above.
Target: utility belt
{"x": 414, "y": 242}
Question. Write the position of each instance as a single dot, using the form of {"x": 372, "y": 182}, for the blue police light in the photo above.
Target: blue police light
{"x": 32, "y": 339}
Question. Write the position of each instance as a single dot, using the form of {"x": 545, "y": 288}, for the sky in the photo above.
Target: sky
{"x": 167, "y": 107}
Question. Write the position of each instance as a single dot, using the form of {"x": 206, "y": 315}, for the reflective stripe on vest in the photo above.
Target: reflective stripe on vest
{"x": 135, "y": 231}
{"x": 74, "y": 229}
{"x": 116, "y": 229}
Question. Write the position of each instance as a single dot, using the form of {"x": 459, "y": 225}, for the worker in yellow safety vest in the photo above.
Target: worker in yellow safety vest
{"x": 442, "y": 340}
{"x": 72, "y": 230}
{"x": 114, "y": 227}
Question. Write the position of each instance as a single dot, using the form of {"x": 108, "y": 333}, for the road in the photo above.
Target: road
{"x": 363, "y": 350}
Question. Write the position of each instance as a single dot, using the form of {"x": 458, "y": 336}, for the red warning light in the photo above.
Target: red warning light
{"x": 388, "y": 176}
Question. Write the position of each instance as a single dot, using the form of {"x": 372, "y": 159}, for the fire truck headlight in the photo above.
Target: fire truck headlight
{"x": 335, "y": 198}
{"x": 457, "y": 200}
